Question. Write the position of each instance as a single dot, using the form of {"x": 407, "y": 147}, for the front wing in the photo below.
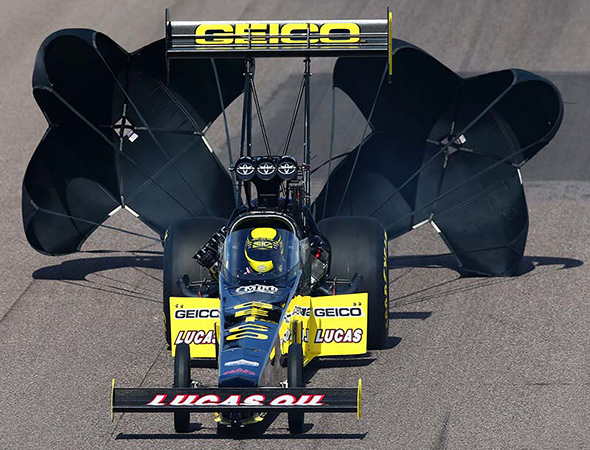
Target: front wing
{"x": 143, "y": 400}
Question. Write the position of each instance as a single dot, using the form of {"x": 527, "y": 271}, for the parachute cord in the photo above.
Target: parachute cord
{"x": 116, "y": 148}
{"x": 463, "y": 252}
{"x": 363, "y": 136}
{"x": 118, "y": 169}
{"x": 405, "y": 183}
{"x": 451, "y": 138}
{"x": 440, "y": 184}
{"x": 96, "y": 224}
{"x": 463, "y": 183}
{"x": 227, "y": 137}
{"x": 332, "y": 127}
{"x": 315, "y": 169}
{"x": 444, "y": 148}
{"x": 148, "y": 129}
{"x": 121, "y": 133}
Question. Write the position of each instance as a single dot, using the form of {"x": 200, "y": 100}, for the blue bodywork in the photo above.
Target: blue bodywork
{"x": 252, "y": 310}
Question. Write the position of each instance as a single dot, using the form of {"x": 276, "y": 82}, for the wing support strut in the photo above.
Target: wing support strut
{"x": 307, "y": 129}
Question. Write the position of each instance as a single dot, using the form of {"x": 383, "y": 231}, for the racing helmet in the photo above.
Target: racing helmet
{"x": 264, "y": 250}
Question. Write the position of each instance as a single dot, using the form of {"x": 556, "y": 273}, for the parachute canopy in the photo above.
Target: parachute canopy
{"x": 444, "y": 150}
{"x": 120, "y": 135}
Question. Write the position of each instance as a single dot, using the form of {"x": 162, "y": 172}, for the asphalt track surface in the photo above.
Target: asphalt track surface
{"x": 493, "y": 363}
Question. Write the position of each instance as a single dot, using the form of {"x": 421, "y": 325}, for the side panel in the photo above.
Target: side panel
{"x": 194, "y": 320}
{"x": 338, "y": 325}
{"x": 332, "y": 325}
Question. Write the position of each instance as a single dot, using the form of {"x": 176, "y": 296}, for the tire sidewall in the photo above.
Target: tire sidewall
{"x": 181, "y": 241}
{"x": 359, "y": 245}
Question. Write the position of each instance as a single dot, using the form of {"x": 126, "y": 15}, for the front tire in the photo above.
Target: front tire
{"x": 359, "y": 245}
{"x": 295, "y": 380}
{"x": 182, "y": 379}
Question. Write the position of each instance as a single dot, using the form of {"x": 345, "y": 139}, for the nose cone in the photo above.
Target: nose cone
{"x": 240, "y": 368}
{"x": 240, "y": 377}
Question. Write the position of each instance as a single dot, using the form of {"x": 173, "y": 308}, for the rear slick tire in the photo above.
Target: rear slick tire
{"x": 183, "y": 239}
{"x": 359, "y": 245}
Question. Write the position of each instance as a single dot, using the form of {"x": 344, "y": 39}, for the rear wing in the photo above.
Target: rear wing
{"x": 225, "y": 39}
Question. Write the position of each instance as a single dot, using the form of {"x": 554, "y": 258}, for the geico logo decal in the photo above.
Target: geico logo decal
{"x": 196, "y": 314}
{"x": 339, "y": 336}
{"x": 343, "y": 32}
{"x": 195, "y": 337}
{"x": 338, "y": 312}
{"x": 237, "y": 400}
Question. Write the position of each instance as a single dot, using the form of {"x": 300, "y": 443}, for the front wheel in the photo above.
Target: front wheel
{"x": 182, "y": 379}
{"x": 295, "y": 380}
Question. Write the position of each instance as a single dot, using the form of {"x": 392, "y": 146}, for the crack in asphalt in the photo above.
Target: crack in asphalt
{"x": 17, "y": 300}
{"x": 110, "y": 438}
{"x": 443, "y": 435}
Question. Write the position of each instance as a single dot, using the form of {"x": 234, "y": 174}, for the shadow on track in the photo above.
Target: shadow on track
{"x": 409, "y": 315}
{"x": 267, "y": 436}
{"x": 449, "y": 261}
{"x": 78, "y": 269}
{"x": 337, "y": 362}
{"x": 464, "y": 282}
{"x": 257, "y": 431}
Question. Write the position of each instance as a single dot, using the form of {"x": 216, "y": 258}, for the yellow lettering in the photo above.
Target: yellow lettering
{"x": 290, "y": 33}
{"x": 273, "y": 29}
{"x": 290, "y": 28}
{"x": 242, "y": 29}
{"x": 350, "y": 28}
{"x": 212, "y": 32}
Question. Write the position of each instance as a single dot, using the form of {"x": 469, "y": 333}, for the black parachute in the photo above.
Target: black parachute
{"x": 120, "y": 135}
{"x": 127, "y": 130}
{"x": 444, "y": 150}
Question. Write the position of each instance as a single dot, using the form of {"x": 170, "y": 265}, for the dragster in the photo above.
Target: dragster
{"x": 260, "y": 277}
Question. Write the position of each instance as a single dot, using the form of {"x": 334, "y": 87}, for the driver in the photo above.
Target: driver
{"x": 264, "y": 251}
